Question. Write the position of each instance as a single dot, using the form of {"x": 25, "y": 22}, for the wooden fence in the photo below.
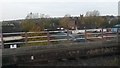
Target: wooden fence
{"x": 104, "y": 36}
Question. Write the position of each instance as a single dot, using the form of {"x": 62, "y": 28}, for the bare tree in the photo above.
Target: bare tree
{"x": 93, "y": 13}
{"x": 67, "y": 15}
{"x": 94, "y": 19}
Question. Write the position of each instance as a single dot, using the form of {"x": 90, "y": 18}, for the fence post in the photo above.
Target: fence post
{"x": 2, "y": 44}
{"x": 102, "y": 35}
{"x": 48, "y": 37}
{"x": 85, "y": 35}
{"x": 117, "y": 39}
{"x": 26, "y": 38}
{"x": 67, "y": 35}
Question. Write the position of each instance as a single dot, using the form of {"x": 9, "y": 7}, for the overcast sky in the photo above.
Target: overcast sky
{"x": 18, "y": 9}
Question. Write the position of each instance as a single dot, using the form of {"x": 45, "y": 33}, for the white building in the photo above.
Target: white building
{"x": 32, "y": 16}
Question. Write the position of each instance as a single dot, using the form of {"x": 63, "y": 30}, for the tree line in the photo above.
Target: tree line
{"x": 92, "y": 19}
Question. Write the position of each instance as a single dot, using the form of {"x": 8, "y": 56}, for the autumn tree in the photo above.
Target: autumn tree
{"x": 31, "y": 25}
{"x": 94, "y": 18}
{"x": 66, "y": 22}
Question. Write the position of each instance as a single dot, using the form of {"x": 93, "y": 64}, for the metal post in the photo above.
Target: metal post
{"x": 26, "y": 38}
{"x": 48, "y": 37}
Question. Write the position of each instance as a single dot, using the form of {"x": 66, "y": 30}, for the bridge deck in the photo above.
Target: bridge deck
{"x": 53, "y": 52}
{"x": 70, "y": 46}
